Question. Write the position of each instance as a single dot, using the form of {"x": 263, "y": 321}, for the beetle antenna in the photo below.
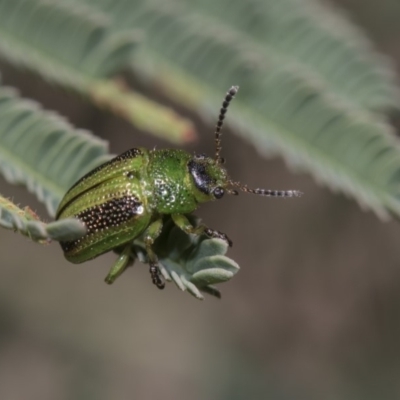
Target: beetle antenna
{"x": 229, "y": 96}
{"x": 268, "y": 192}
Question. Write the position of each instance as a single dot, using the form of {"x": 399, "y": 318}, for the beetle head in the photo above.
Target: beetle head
{"x": 209, "y": 177}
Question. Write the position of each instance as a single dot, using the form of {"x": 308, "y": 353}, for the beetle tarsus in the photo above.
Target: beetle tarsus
{"x": 156, "y": 276}
{"x": 218, "y": 235}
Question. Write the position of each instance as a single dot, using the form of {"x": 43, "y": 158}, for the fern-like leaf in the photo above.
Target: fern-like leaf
{"x": 42, "y": 150}
{"x": 67, "y": 45}
{"x": 74, "y": 47}
{"x": 312, "y": 40}
{"x": 317, "y": 120}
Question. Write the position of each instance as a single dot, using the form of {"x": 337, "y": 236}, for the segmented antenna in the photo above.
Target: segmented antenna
{"x": 229, "y": 96}
{"x": 268, "y": 192}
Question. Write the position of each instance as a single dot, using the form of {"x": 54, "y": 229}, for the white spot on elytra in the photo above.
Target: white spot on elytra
{"x": 140, "y": 210}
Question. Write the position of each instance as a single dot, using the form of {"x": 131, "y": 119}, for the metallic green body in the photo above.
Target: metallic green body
{"x": 121, "y": 198}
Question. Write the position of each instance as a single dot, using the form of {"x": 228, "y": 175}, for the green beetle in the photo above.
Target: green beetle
{"x": 128, "y": 197}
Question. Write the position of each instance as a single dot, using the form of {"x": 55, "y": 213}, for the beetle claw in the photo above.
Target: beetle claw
{"x": 160, "y": 283}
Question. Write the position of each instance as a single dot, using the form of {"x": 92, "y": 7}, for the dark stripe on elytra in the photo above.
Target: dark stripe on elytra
{"x": 98, "y": 218}
{"x": 131, "y": 153}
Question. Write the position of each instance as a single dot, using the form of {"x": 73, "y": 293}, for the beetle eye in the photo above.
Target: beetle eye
{"x": 218, "y": 192}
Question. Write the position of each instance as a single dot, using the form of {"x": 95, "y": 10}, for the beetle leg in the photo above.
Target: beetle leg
{"x": 124, "y": 260}
{"x": 150, "y": 235}
{"x": 183, "y": 223}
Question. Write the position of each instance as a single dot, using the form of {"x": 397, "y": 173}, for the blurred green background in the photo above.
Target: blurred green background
{"x": 314, "y": 312}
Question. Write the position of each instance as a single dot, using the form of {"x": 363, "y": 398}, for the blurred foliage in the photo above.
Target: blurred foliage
{"x": 43, "y": 151}
{"x": 73, "y": 47}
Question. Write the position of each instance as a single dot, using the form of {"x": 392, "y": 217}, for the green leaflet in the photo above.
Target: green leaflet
{"x": 26, "y": 222}
{"x": 195, "y": 264}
